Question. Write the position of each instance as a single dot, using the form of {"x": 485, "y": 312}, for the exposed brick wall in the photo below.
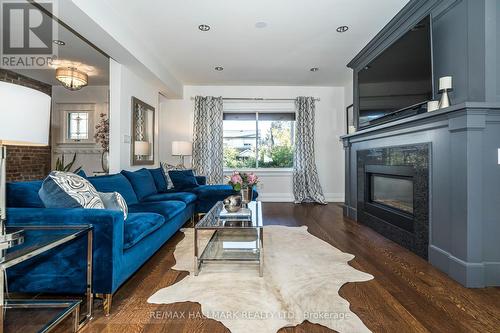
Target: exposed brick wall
{"x": 26, "y": 162}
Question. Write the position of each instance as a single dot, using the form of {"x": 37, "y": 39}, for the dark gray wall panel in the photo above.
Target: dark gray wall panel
{"x": 464, "y": 192}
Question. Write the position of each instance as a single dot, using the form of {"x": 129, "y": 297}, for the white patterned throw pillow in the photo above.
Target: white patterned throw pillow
{"x": 114, "y": 201}
{"x": 68, "y": 190}
{"x": 168, "y": 167}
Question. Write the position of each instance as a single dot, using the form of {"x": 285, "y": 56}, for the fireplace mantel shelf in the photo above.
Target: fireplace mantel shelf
{"x": 470, "y": 106}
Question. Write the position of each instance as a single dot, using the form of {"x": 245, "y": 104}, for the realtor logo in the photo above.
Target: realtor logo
{"x": 27, "y": 34}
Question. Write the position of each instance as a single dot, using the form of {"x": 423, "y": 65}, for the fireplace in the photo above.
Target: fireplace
{"x": 393, "y": 194}
{"x": 389, "y": 194}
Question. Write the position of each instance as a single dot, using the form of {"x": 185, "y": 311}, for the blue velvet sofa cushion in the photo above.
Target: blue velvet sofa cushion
{"x": 24, "y": 194}
{"x": 168, "y": 209}
{"x": 115, "y": 183}
{"x": 185, "y": 197}
{"x": 183, "y": 179}
{"x": 201, "y": 180}
{"x": 209, "y": 195}
{"x": 68, "y": 190}
{"x": 160, "y": 180}
{"x": 208, "y": 191}
{"x": 142, "y": 182}
{"x": 138, "y": 226}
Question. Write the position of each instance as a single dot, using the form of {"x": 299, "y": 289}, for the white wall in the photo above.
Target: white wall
{"x": 348, "y": 94}
{"x": 125, "y": 84}
{"x": 88, "y": 154}
{"x": 176, "y": 123}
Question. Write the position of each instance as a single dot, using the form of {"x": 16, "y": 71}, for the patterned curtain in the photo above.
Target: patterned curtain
{"x": 207, "y": 139}
{"x": 306, "y": 186}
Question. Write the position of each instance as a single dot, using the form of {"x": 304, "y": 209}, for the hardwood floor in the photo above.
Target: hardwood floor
{"x": 407, "y": 294}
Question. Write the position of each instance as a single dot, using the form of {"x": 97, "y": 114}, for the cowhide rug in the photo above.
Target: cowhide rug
{"x": 302, "y": 278}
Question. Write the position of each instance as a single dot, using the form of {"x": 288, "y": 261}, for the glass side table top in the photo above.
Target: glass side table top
{"x": 212, "y": 221}
{"x": 39, "y": 239}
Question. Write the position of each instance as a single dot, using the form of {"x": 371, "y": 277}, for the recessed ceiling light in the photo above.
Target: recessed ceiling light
{"x": 204, "y": 27}
{"x": 58, "y": 42}
{"x": 219, "y": 68}
{"x": 260, "y": 25}
{"x": 342, "y": 28}
{"x": 314, "y": 69}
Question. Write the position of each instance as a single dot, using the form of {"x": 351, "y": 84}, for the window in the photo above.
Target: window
{"x": 78, "y": 126}
{"x": 258, "y": 140}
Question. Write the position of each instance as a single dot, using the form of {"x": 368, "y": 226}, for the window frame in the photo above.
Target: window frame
{"x": 261, "y": 108}
{"x": 61, "y": 119}
{"x": 87, "y": 123}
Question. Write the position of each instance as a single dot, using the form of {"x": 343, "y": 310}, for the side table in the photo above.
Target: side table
{"x": 48, "y": 313}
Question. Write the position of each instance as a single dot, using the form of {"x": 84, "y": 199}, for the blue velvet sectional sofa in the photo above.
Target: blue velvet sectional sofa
{"x": 120, "y": 246}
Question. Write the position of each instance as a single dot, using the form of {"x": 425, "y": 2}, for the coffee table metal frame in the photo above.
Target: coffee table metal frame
{"x": 211, "y": 221}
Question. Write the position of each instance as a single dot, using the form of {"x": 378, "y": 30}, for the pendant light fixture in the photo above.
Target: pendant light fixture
{"x": 72, "y": 78}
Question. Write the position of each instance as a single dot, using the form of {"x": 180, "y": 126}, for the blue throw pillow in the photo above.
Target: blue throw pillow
{"x": 160, "y": 180}
{"x": 115, "y": 183}
{"x": 142, "y": 182}
{"x": 67, "y": 190}
{"x": 183, "y": 179}
{"x": 82, "y": 173}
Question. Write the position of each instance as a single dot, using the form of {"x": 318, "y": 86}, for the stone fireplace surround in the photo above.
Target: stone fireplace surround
{"x": 408, "y": 230}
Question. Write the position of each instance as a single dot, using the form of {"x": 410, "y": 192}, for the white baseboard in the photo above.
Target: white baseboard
{"x": 275, "y": 197}
{"x": 288, "y": 197}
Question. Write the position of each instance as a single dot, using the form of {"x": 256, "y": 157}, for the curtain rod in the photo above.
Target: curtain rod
{"x": 258, "y": 99}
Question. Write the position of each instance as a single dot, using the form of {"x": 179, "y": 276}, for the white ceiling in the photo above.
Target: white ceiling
{"x": 300, "y": 34}
{"x": 79, "y": 54}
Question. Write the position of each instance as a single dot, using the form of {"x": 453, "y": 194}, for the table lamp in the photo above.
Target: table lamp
{"x": 445, "y": 86}
{"x": 24, "y": 121}
{"x": 181, "y": 149}
{"x": 142, "y": 148}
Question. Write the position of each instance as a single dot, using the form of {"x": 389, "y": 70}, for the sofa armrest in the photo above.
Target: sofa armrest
{"x": 107, "y": 234}
{"x": 201, "y": 180}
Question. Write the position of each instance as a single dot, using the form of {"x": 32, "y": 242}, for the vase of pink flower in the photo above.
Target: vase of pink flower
{"x": 244, "y": 183}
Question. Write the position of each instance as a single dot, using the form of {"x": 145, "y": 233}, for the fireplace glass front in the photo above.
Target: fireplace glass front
{"x": 392, "y": 191}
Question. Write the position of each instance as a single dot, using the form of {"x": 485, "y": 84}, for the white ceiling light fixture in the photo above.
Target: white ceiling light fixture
{"x": 342, "y": 28}
{"x": 219, "y": 68}
{"x": 314, "y": 69}
{"x": 72, "y": 78}
{"x": 204, "y": 27}
{"x": 59, "y": 42}
{"x": 260, "y": 25}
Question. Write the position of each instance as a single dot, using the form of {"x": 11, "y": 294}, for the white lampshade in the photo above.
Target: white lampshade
{"x": 142, "y": 148}
{"x": 445, "y": 82}
{"x": 24, "y": 115}
{"x": 182, "y": 148}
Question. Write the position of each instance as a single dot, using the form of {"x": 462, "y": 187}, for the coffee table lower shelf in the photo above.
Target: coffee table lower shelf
{"x": 231, "y": 245}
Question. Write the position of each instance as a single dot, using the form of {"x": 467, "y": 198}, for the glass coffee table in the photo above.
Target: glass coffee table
{"x": 231, "y": 241}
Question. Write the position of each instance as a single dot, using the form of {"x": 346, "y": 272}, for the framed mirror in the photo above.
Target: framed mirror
{"x": 143, "y": 131}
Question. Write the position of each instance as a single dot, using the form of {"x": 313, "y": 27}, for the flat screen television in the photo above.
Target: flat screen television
{"x": 399, "y": 81}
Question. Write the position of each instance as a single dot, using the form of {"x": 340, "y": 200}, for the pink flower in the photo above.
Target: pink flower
{"x": 252, "y": 179}
{"x": 236, "y": 179}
